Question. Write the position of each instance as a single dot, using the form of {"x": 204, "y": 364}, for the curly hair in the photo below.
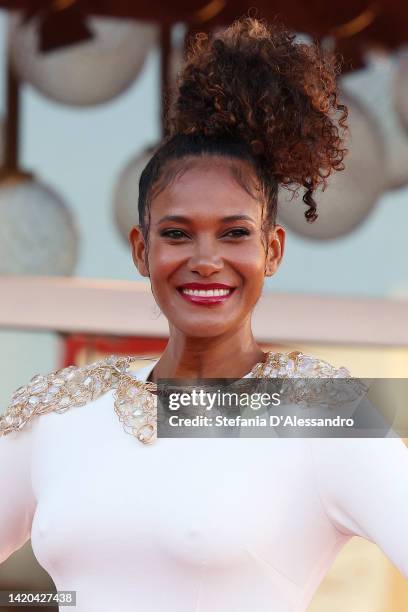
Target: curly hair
{"x": 253, "y": 92}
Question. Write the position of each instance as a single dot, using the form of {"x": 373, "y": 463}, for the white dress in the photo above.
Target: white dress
{"x": 194, "y": 524}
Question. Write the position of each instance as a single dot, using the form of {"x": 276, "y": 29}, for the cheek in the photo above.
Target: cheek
{"x": 164, "y": 259}
{"x": 250, "y": 260}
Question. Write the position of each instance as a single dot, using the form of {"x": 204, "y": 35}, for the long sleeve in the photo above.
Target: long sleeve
{"x": 363, "y": 485}
{"x": 17, "y": 502}
{"x": 57, "y": 391}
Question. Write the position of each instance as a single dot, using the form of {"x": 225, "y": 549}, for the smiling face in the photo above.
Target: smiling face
{"x": 205, "y": 228}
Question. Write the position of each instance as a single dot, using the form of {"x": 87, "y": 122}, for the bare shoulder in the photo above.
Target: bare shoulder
{"x": 61, "y": 390}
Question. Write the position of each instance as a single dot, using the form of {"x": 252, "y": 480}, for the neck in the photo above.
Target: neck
{"x": 219, "y": 357}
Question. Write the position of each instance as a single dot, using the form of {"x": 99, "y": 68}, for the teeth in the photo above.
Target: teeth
{"x": 207, "y": 293}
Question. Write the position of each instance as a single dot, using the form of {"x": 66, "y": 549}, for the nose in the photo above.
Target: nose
{"x": 206, "y": 258}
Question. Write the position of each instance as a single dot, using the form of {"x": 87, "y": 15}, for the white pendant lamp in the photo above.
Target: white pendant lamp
{"x": 125, "y": 199}
{"x": 351, "y": 194}
{"x": 38, "y": 235}
{"x": 374, "y": 87}
{"x": 89, "y": 72}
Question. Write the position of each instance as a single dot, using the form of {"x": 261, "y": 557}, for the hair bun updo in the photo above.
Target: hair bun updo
{"x": 255, "y": 83}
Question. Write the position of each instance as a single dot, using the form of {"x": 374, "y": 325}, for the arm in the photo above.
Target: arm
{"x": 58, "y": 391}
{"x": 363, "y": 484}
{"x": 17, "y": 501}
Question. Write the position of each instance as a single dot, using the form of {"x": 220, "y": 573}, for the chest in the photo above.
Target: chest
{"x": 107, "y": 502}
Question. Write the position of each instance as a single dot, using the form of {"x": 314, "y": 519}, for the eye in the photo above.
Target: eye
{"x": 176, "y": 234}
{"x": 170, "y": 233}
{"x": 238, "y": 232}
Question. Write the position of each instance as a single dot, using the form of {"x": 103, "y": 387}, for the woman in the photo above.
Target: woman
{"x": 212, "y": 524}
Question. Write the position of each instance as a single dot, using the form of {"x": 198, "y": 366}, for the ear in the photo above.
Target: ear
{"x": 138, "y": 246}
{"x": 276, "y": 248}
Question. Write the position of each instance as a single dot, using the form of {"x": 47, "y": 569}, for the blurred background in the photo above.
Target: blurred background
{"x": 83, "y": 88}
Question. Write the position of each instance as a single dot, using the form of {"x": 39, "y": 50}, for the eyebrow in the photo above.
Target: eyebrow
{"x": 182, "y": 219}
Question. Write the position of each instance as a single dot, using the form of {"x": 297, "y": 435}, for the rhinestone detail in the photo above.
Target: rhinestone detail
{"x": 135, "y": 401}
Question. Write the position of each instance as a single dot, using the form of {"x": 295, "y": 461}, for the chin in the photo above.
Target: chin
{"x": 204, "y": 329}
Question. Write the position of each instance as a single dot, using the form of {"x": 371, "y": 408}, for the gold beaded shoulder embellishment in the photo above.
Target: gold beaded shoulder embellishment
{"x": 62, "y": 389}
{"x": 135, "y": 401}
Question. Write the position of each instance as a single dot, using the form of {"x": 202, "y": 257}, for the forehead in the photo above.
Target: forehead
{"x": 207, "y": 187}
